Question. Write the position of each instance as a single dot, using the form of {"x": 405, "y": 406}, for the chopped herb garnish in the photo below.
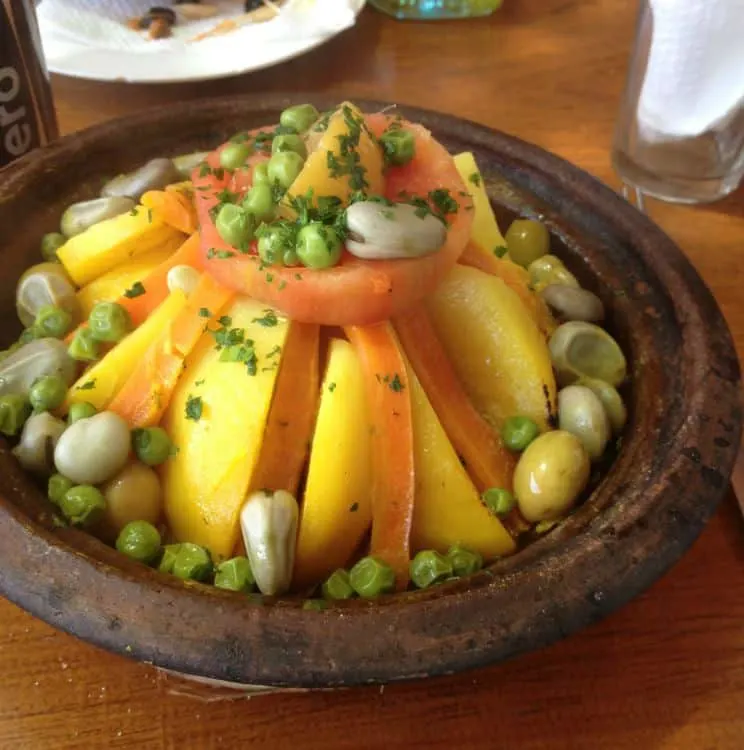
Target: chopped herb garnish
{"x": 500, "y": 251}
{"x": 331, "y": 387}
{"x": 298, "y": 276}
{"x": 136, "y": 290}
{"x": 134, "y": 212}
{"x": 354, "y": 507}
{"x": 225, "y": 320}
{"x": 199, "y": 382}
{"x": 89, "y": 385}
{"x": 395, "y": 384}
{"x": 204, "y": 313}
{"x": 475, "y": 178}
{"x": 274, "y": 352}
{"x": 237, "y": 353}
{"x": 282, "y": 285}
{"x": 204, "y": 170}
{"x": 194, "y": 408}
{"x": 443, "y": 202}
{"x": 219, "y": 254}
{"x": 149, "y": 216}
{"x": 269, "y": 319}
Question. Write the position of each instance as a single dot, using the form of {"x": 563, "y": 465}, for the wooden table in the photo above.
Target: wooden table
{"x": 667, "y": 672}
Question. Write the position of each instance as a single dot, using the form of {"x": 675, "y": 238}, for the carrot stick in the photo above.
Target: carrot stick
{"x": 486, "y": 460}
{"x": 146, "y": 394}
{"x": 393, "y": 486}
{"x": 174, "y": 208}
{"x": 289, "y": 427}
{"x": 515, "y": 277}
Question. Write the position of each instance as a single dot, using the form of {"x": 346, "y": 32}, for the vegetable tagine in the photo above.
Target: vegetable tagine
{"x": 309, "y": 363}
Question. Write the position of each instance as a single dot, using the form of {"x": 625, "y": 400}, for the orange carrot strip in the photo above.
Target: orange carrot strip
{"x": 155, "y": 284}
{"x": 146, "y": 394}
{"x": 175, "y": 209}
{"x": 515, "y": 277}
{"x": 289, "y": 427}
{"x": 393, "y": 487}
{"x": 487, "y": 461}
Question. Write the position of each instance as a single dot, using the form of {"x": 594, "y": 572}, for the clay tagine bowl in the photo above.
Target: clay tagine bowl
{"x": 672, "y": 471}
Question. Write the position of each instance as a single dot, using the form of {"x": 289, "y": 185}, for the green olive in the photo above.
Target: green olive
{"x": 581, "y": 349}
{"x": 50, "y": 243}
{"x": 527, "y": 241}
{"x": 43, "y": 285}
{"x": 293, "y": 143}
{"x": 299, "y": 118}
{"x": 611, "y": 400}
{"x": 550, "y": 476}
{"x": 81, "y": 216}
{"x": 581, "y": 413}
{"x": 550, "y": 270}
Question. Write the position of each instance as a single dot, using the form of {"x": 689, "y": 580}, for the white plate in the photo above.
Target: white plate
{"x": 176, "y": 60}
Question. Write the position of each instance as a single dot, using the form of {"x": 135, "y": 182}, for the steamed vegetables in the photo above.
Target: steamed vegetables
{"x": 309, "y": 364}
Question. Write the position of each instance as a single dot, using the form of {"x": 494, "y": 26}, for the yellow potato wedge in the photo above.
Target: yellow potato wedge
{"x": 337, "y": 506}
{"x": 218, "y": 442}
{"x": 495, "y": 346}
{"x": 448, "y": 508}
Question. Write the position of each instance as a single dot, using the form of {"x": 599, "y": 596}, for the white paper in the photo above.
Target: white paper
{"x": 695, "y": 75}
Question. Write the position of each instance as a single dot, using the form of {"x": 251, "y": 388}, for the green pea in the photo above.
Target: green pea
{"x": 50, "y": 243}
{"x": 338, "y": 585}
{"x": 28, "y": 335}
{"x": 235, "y": 155}
{"x": 429, "y": 567}
{"x": 287, "y": 143}
{"x": 284, "y": 166}
{"x": 274, "y": 241}
{"x": 398, "y": 145}
{"x": 139, "y": 540}
{"x": 235, "y": 575}
{"x": 109, "y": 321}
{"x": 83, "y": 346}
{"x": 47, "y": 393}
{"x": 318, "y": 246}
{"x": 82, "y": 505}
{"x": 300, "y": 117}
{"x": 499, "y": 501}
{"x": 518, "y": 432}
{"x": 57, "y": 487}
{"x": 261, "y": 174}
{"x": 192, "y": 563}
{"x": 168, "y": 560}
{"x": 235, "y": 225}
{"x": 464, "y": 562}
{"x": 14, "y": 411}
{"x": 371, "y": 577}
{"x": 259, "y": 202}
{"x": 527, "y": 241}
{"x": 81, "y": 410}
{"x": 53, "y": 321}
{"x": 152, "y": 445}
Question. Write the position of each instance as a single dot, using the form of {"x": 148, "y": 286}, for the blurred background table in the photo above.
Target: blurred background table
{"x": 666, "y": 672}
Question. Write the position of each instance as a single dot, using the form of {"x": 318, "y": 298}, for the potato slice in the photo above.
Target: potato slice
{"x": 101, "y": 382}
{"x": 110, "y": 286}
{"x": 448, "y": 508}
{"x": 485, "y": 232}
{"x": 495, "y": 346}
{"x": 114, "y": 241}
{"x": 364, "y": 159}
{"x": 216, "y": 420}
{"x": 337, "y": 506}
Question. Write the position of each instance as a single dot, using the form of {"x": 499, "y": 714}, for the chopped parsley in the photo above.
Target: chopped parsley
{"x": 274, "y": 352}
{"x": 331, "y": 387}
{"x": 219, "y": 254}
{"x": 136, "y": 290}
{"x": 194, "y": 408}
{"x": 199, "y": 382}
{"x": 475, "y": 178}
{"x": 500, "y": 251}
{"x": 269, "y": 319}
{"x": 89, "y": 385}
{"x": 443, "y": 202}
{"x": 204, "y": 313}
{"x": 354, "y": 508}
{"x": 134, "y": 212}
{"x": 395, "y": 384}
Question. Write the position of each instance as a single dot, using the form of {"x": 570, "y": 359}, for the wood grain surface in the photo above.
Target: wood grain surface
{"x": 666, "y": 672}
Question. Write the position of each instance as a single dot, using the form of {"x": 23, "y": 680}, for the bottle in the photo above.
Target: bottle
{"x": 430, "y": 10}
{"x": 27, "y": 117}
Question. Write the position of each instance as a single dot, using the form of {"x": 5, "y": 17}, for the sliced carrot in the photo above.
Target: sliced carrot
{"x": 146, "y": 394}
{"x": 515, "y": 277}
{"x": 155, "y": 285}
{"x": 289, "y": 428}
{"x": 393, "y": 488}
{"x": 174, "y": 207}
{"x": 486, "y": 460}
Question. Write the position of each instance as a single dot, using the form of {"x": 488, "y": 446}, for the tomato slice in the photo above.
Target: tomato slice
{"x": 355, "y": 292}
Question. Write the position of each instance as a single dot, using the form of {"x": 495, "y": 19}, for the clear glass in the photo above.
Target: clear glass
{"x": 680, "y": 169}
{"x": 430, "y": 10}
